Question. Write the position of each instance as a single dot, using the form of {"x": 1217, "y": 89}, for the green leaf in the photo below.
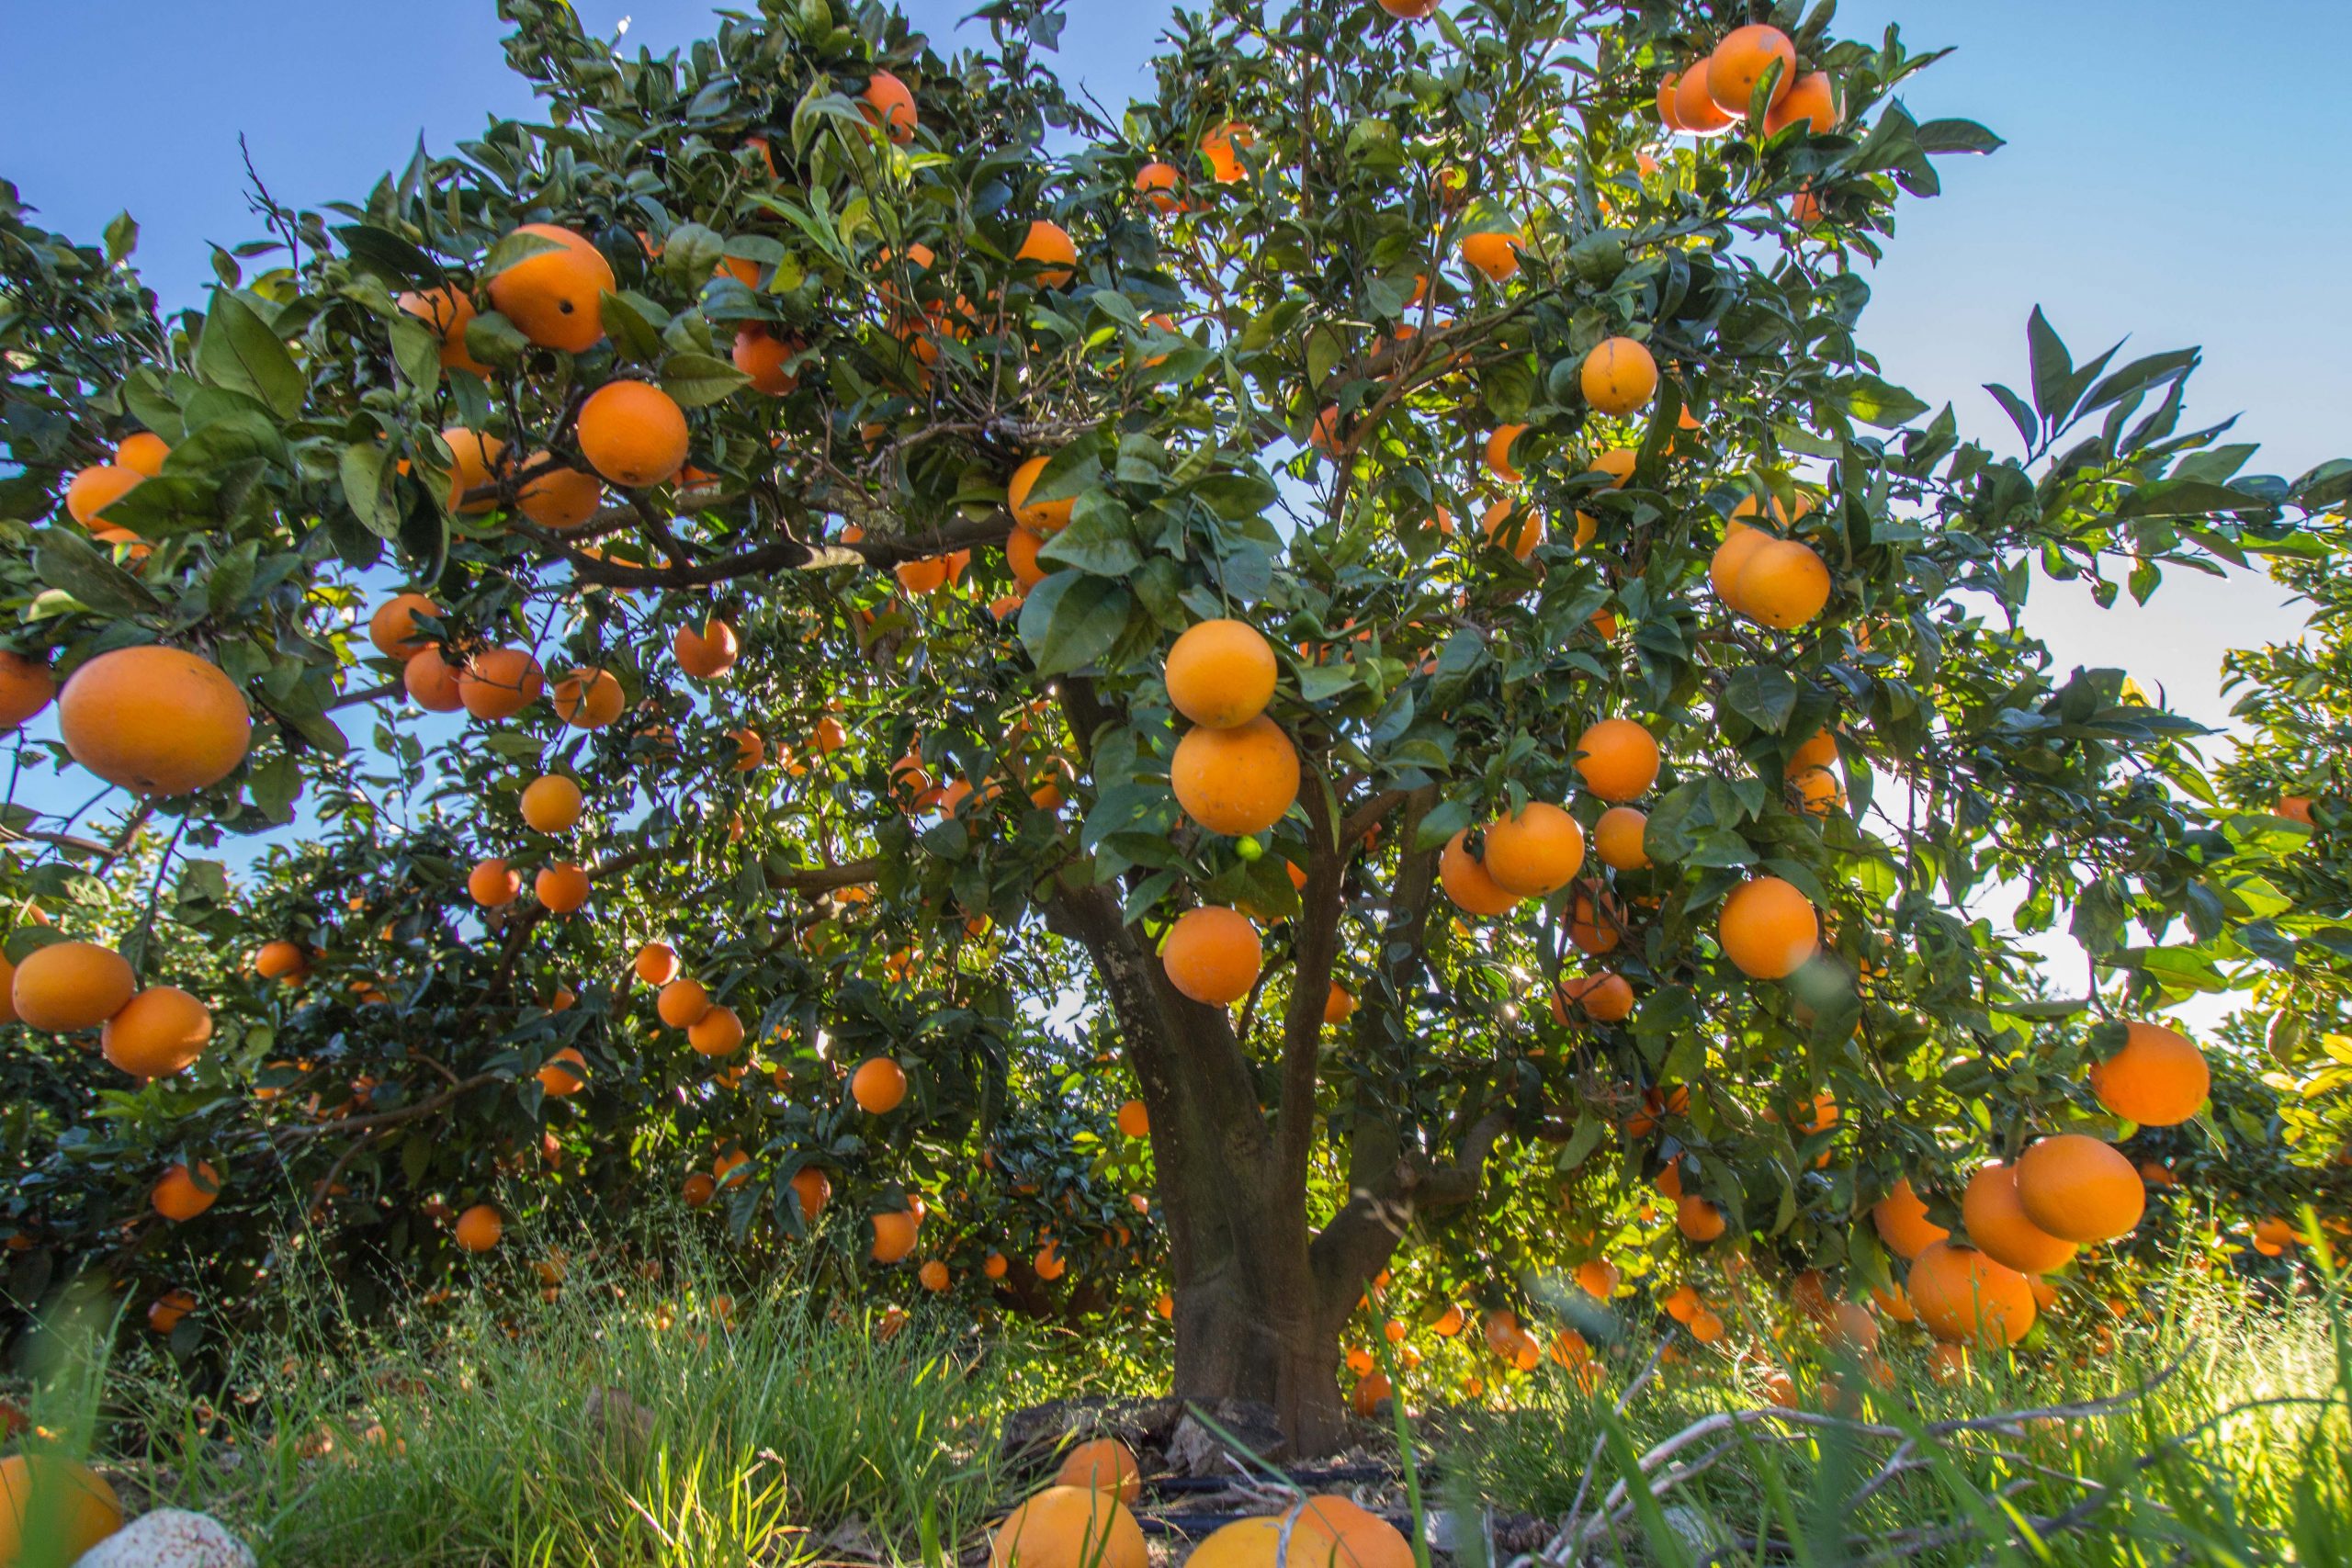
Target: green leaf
{"x": 1098, "y": 540}
{"x": 1070, "y": 620}
{"x": 2053, "y": 365}
{"x": 515, "y": 247}
{"x": 1956, "y": 136}
{"x": 1874, "y": 401}
{"x": 71, "y": 567}
{"x": 2185, "y": 498}
{"x": 1443, "y": 820}
{"x": 240, "y": 351}
{"x": 231, "y": 578}
{"x": 698, "y": 380}
{"x": 388, "y": 254}
{"x": 1236, "y": 496}
{"x": 367, "y": 471}
{"x": 636, "y": 323}
{"x": 417, "y": 352}
{"x": 121, "y": 237}
{"x": 494, "y": 341}
{"x": 1765, "y": 697}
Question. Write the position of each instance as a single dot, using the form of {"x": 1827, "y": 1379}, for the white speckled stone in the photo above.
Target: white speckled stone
{"x": 169, "y": 1538}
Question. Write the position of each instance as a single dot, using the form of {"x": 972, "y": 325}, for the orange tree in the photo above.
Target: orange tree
{"x": 1379, "y": 593}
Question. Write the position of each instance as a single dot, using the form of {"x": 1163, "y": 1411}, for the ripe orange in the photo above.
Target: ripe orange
{"x": 1044, "y": 518}
{"x": 164, "y": 1314}
{"x": 556, "y": 297}
{"x": 1157, "y": 183}
{"x": 430, "y": 681}
{"x": 278, "y": 959}
{"x": 708, "y": 653}
{"x": 556, "y": 496}
{"x": 656, "y": 964}
{"x": 1740, "y": 62}
{"x": 633, "y": 433}
{"x": 2159, "y": 1080}
{"x": 1222, "y": 147}
{"x": 1237, "y": 780}
{"x": 392, "y": 628}
{"x": 2079, "y": 1189}
{"x": 154, "y": 721}
{"x": 1021, "y": 547}
{"x": 718, "y": 1032}
{"x": 1535, "y": 854}
{"x": 1048, "y": 247}
{"x": 1666, "y": 117}
{"x": 1134, "y": 1120}
{"x": 1617, "y": 758}
{"x": 1604, "y": 997}
{"x": 69, "y": 986}
{"x": 1768, "y": 929}
{"x": 1468, "y": 881}
{"x": 1498, "y": 447}
{"x": 894, "y": 1236}
{"x": 889, "y": 103}
{"x": 813, "y": 1190}
{"x": 1694, "y": 108}
{"x": 561, "y": 887}
{"x": 447, "y": 312}
{"x": 181, "y": 1195}
{"x": 879, "y": 1086}
{"x": 1339, "y": 1004}
{"x": 1697, "y": 1218}
{"x": 499, "y": 683}
{"x": 25, "y": 688}
{"x": 157, "y": 1032}
{"x": 1964, "y": 1297}
{"x": 96, "y": 489}
{"x": 767, "y": 360}
{"x": 1619, "y": 463}
{"x": 1812, "y": 98}
{"x": 682, "y": 1003}
{"x": 1784, "y": 584}
{"x": 492, "y": 883}
{"x": 551, "y": 803}
{"x": 1618, "y": 377}
{"x": 933, "y": 1276}
{"x": 564, "y": 1073}
{"x": 143, "y": 452}
{"x": 1731, "y": 558}
{"x": 1409, "y": 10}
{"x": 1590, "y": 929}
{"x": 79, "y": 1507}
{"x": 473, "y": 466}
{"x": 1618, "y": 836}
{"x": 1102, "y": 1464}
{"x": 700, "y": 1188}
{"x": 1495, "y": 255}
{"x": 1221, "y": 673}
{"x": 479, "y": 1227}
{"x": 1902, "y": 1219}
{"x": 1212, "y": 954}
{"x": 2273, "y": 1236}
{"x": 1999, "y": 1228}
{"x": 1505, "y": 527}
{"x": 1072, "y": 1527}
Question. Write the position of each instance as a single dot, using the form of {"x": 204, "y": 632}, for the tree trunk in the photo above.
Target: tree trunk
{"x": 1254, "y": 1338}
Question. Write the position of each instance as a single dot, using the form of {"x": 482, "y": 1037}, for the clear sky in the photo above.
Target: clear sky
{"x": 2168, "y": 177}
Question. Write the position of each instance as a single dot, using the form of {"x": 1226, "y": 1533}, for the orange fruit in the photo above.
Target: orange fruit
{"x": 1618, "y": 759}
{"x": 633, "y": 433}
{"x": 556, "y": 297}
{"x": 68, "y": 986}
{"x": 588, "y": 699}
{"x": 564, "y": 1073}
{"x": 750, "y": 751}
{"x": 1592, "y": 930}
{"x": 2273, "y": 1236}
{"x": 1964, "y": 1297}
{"x": 392, "y": 628}
{"x": 894, "y": 1236}
{"x": 1784, "y": 584}
{"x": 473, "y": 466}
{"x": 682, "y": 1003}
{"x": 1811, "y": 99}
{"x": 1468, "y": 881}
{"x": 1706, "y": 1328}
{"x": 813, "y": 1190}
{"x": 1102, "y": 1464}
{"x": 1498, "y": 447}
{"x": 1222, "y": 147}
{"x": 157, "y": 1032}
{"x": 1666, "y": 117}
{"x": 1212, "y": 954}
{"x": 708, "y": 653}
{"x": 1221, "y": 673}
{"x": 1134, "y": 1120}
{"x": 143, "y": 452}
{"x": 1495, "y": 255}
{"x": 278, "y": 959}
{"x": 933, "y": 1276}
{"x": 1048, "y": 246}
{"x": 1158, "y": 183}
{"x": 890, "y": 104}
{"x": 1535, "y": 854}
{"x": 1074, "y": 1527}
{"x": 164, "y": 1314}
{"x": 1619, "y": 463}
{"x": 25, "y": 688}
{"x": 551, "y": 803}
{"x": 1409, "y": 11}
{"x": 1741, "y": 61}
{"x": 561, "y": 887}
{"x": 1901, "y": 1218}
{"x": 1731, "y": 558}
{"x": 2079, "y": 1189}
{"x": 1507, "y": 528}
{"x": 479, "y": 1227}
{"x": 1238, "y": 781}
{"x": 154, "y": 721}
{"x": 1618, "y": 377}
{"x": 492, "y": 883}
{"x": 656, "y": 964}
{"x": 879, "y": 1086}
{"x": 1021, "y": 547}
{"x": 1769, "y": 928}
{"x": 499, "y": 683}
{"x": 718, "y": 1032}
{"x": 700, "y": 1188}
{"x": 96, "y": 489}
{"x": 556, "y": 496}
{"x": 180, "y": 1195}
{"x": 1043, "y": 518}
{"x": 447, "y": 312}
{"x": 1618, "y": 839}
{"x": 1697, "y": 1218}
{"x": 1339, "y": 1004}
{"x": 1694, "y": 108}
{"x": 76, "y": 1507}
{"x": 1999, "y": 1227}
{"x": 430, "y": 681}
{"x": 1603, "y": 998}
{"x": 767, "y": 360}
{"x": 2159, "y": 1080}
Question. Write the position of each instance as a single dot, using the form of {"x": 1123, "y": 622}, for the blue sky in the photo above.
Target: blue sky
{"x": 2165, "y": 177}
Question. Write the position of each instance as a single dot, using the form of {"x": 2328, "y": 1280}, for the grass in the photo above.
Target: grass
{"x": 628, "y": 1421}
